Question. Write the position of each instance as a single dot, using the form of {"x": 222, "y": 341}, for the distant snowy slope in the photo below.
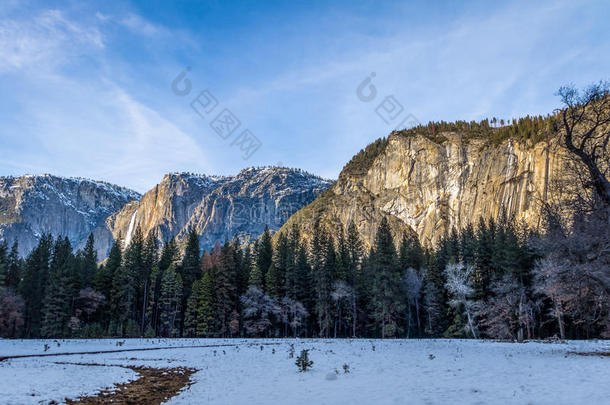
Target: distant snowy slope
{"x": 31, "y": 206}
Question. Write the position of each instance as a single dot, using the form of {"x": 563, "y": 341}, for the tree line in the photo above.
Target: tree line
{"x": 491, "y": 280}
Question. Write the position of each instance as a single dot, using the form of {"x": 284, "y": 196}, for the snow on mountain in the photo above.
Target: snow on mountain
{"x": 34, "y": 205}
{"x": 219, "y": 207}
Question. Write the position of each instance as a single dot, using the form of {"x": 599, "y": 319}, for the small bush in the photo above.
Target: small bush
{"x": 303, "y": 362}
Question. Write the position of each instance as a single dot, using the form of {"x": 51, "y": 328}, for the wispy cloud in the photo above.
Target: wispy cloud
{"x": 43, "y": 42}
{"x": 82, "y": 124}
{"x": 88, "y": 88}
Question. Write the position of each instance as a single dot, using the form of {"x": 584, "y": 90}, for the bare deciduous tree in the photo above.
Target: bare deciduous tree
{"x": 459, "y": 285}
{"x": 585, "y": 122}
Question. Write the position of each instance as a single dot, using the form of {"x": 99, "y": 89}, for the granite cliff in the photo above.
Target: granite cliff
{"x": 427, "y": 185}
{"x": 218, "y": 208}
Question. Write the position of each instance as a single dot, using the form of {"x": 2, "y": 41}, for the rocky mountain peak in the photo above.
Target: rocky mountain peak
{"x": 33, "y": 205}
{"x": 218, "y": 207}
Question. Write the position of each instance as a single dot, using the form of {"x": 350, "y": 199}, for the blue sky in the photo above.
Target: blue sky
{"x": 86, "y": 86}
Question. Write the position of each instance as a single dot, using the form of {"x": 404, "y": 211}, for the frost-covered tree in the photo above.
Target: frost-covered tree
{"x": 341, "y": 295}
{"x": 459, "y": 286}
{"x": 259, "y": 310}
{"x": 292, "y": 314}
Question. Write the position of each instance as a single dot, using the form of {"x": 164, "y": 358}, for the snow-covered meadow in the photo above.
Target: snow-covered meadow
{"x": 380, "y": 372}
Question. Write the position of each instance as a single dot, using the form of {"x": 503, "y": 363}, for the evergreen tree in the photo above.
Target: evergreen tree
{"x": 170, "y": 300}
{"x": 245, "y": 270}
{"x": 225, "y": 288}
{"x": 276, "y": 276}
{"x": 291, "y": 262}
{"x": 58, "y": 294}
{"x": 88, "y": 265}
{"x": 169, "y": 255}
{"x": 483, "y": 258}
{"x": 125, "y": 286}
{"x": 152, "y": 306}
{"x": 324, "y": 274}
{"x": 33, "y": 286}
{"x": 411, "y": 253}
{"x": 15, "y": 265}
{"x": 190, "y": 268}
{"x": 435, "y": 294}
{"x": 386, "y": 284}
{"x": 354, "y": 251}
{"x": 264, "y": 258}
{"x": 149, "y": 263}
{"x": 200, "y": 308}
{"x": 3, "y": 265}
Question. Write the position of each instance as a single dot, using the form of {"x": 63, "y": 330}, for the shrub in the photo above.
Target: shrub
{"x": 303, "y": 362}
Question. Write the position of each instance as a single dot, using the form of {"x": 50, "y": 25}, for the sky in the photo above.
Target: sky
{"x": 127, "y": 91}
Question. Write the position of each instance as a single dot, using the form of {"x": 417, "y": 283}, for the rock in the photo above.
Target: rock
{"x": 219, "y": 208}
{"x": 31, "y": 206}
{"x": 426, "y": 188}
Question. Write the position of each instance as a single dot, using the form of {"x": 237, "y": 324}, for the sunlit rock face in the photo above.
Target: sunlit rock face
{"x": 427, "y": 187}
{"x": 216, "y": 207}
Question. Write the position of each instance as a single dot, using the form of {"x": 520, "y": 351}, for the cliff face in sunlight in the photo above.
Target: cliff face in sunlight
{"x": 218, "y": 208}
{"x": 428, "y": 187}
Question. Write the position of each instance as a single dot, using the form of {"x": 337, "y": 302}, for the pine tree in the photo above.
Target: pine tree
{"x": 411, "y": 253}
{"x": 275, "y": 280}
{"x": 435, "y": 295}
{"x": 170, "y": 301}
{"x": 291, "y": 272}
{"x": 324, "y": 275}
{"x": 88, "y": 267}
{"x": 15, "y": 265}
{"x": 190, "y": 268}
{"x": 483, "y": 258}
{"x": 245, "y": 270}
{"x": 354, "y": 249}
{"x": 225, "y": 288}
{"x": 149, "y": 263}
{"x": 200, "y": 308}
{"x": 58, "y": 294}
{"x": 33, "y": 286}
{"x": 169, "y": 255}
{"x": 125, "y": 285}
{"x": 152, "y": 306}
{"x": 264, "y": 258}
{"x": 3, "y": 266}
{"x": 386, "y": 284}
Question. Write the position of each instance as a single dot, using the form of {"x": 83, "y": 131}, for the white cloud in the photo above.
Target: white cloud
{"x": 46, "y": 41}
{"x": 83, "y": 124}
{"x": 141, "y": 26}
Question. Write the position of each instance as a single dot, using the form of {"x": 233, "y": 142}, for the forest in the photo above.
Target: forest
{"x": 492, "y": 280}
{"x": 495, "y": 278}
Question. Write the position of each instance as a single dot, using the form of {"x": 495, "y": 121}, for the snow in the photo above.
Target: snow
{"x": 35, "y": 381}
{"x": 381, "y": 372}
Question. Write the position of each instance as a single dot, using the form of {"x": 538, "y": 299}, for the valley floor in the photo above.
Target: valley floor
{"x": 245, "y": 371}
